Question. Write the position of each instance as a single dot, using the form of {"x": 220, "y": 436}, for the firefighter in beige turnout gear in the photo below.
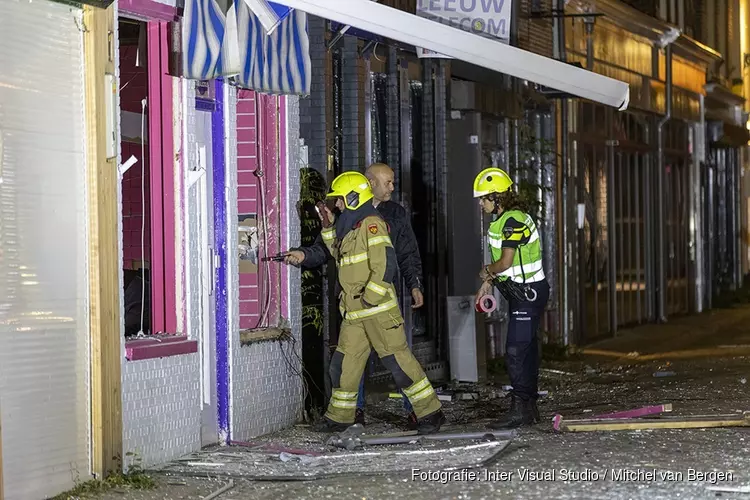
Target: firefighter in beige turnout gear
{"x": 366, "y": 261}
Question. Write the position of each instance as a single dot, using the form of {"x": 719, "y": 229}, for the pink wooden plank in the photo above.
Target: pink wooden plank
{"x": 163, "y": 347}
{"x": 247, "y": 164}
{"x": 150, "y": 9}
{"x": 246, "y": 106}
{"x": 247, "y": 179}
{"x": 246, "y": 94}
{"x": 638, "y": 412}
{"x": 247, "y": 207}
{"x": 158, "y": 323}
{"x": 245, "y": 121}
{"x": 247, "y": 150}
{"x": 248, "y": 322}
{"x": 248, "y": 279}
{"x": 249, "y": 307}
{"x": 247, "y": 193}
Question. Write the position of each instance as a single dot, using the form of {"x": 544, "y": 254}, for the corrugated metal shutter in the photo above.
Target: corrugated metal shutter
{"x": 535, "y": 34}
{"x": 44, "y": 327}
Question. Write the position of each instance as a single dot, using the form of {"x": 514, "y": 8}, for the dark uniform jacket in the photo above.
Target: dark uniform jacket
{"x": 402, "y": 236}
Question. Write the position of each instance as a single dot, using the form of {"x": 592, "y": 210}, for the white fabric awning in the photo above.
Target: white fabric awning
{"x": 411, "y": 29}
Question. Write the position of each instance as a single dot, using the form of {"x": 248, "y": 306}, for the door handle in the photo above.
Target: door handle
{"x": 212, "y": 266}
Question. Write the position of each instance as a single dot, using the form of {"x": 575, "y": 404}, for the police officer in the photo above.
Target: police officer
{"x": 366, "y": 261}
{"x": 517, "y": 271}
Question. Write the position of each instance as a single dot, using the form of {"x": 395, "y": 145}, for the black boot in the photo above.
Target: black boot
{"x": 431, "y": 423}
{"x": 328, "y": 425}
{"x": 520, "y": 414}
{"x": 534, "y": 411}
{"x": 359, "y": 417}
{"x": 411, "y": 421}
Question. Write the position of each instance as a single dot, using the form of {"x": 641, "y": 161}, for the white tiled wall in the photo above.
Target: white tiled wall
{"x": 267, "y": 390}
{"x": 161, "y": 408}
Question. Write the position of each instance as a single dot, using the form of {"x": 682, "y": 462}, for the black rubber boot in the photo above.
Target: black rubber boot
{"x": 431, "y": 423}
{"x": 411, "y": 421}
{"x": 519, "y": 414}
{"x": 327, "y": 425}
{"x": 359, "y": 417}
{"x": 534, "y": 411}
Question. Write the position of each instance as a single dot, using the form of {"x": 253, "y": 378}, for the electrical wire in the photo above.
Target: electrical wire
{"x": 141, "y": 333}
{"x": 259, "y": 173}
{"x": 298, "y": 372}
{"x": 267, "y": 288}
{"x": 375, "y": 52}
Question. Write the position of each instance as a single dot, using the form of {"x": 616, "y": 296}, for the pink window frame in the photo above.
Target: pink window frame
{"x": 162, "y": 188}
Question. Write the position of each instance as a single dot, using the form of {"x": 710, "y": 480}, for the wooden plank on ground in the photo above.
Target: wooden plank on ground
{"x": 639, "y": 412}
{"x": 104, "y": 261}
{"x": 629, "y": 424}
{"x": 710, "y": 352}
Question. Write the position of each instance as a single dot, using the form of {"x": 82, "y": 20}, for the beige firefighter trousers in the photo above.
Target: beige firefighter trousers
{"x": 385, "y": 333}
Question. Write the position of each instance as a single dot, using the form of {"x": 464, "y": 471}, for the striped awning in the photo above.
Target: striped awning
{"x": 225, "y": 38}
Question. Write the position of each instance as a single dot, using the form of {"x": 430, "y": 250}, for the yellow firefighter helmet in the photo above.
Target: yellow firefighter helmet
{"x": 353, "y": 187}
{"x": 491, "y": 180}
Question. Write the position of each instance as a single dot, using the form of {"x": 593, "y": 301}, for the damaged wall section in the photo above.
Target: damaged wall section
{"x": 267, "y": 387}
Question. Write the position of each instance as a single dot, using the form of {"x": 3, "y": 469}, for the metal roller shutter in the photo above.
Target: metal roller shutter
{"x": 44, "y": 326}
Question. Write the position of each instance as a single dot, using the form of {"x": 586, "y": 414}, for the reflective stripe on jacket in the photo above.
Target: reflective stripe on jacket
{"x": 516, "y": 229}
{"x": 366, "y": 268}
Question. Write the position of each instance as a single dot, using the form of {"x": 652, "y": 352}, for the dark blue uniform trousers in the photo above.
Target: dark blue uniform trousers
{"x": 521, "y": 347}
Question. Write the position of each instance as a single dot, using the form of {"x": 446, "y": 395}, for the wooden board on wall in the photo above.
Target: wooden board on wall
{"x": 104, "y": 260}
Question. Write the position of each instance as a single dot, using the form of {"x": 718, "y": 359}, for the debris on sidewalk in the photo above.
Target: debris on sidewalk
{"x": 467, "y": 392}
{"x": 541, "y": 394}
{"x": 263, "y": 466}
{"x": 354, "y": 438}
{"x": 664, "y": 374}
{"x": 729, "y": 489}
{"x": 220, "y": 491}
{"x": 555, "y": 372}
{"x": 624, "y": 424}
{"x": 638, "y": 412}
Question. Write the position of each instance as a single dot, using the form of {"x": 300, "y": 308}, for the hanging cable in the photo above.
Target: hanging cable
{"x": 259, "y": 173}
{"x": 143, "y": 213}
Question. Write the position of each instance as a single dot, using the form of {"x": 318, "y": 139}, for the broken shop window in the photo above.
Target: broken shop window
{"x": 247, "y": 248}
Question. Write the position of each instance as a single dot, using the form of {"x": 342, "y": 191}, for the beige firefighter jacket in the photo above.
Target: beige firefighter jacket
{"x": 364, "y": 268}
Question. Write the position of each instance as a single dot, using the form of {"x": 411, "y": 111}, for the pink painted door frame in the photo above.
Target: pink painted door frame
{"x": 162, "y": 185}
{"x": 151, "y": 10}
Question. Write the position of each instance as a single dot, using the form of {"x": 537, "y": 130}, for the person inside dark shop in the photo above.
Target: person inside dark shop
{"x": 381, "y": 178}
{"x": 517, "y": 271}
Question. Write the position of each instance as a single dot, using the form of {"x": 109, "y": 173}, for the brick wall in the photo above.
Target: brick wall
{"x": 350, "y": 104}
{"x": 313, "y": 108}
{"x": 134, "y": 81}
{"x": 161, "y": 408}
